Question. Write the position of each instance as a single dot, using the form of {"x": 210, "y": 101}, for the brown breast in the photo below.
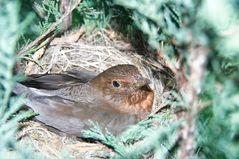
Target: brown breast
{"x": 139, "y": 103}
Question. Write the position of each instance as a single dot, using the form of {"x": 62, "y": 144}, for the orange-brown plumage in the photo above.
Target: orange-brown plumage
{"x": 116, "y": 98}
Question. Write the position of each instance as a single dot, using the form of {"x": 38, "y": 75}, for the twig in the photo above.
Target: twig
{"x": 64, "y": 6}
{"x": 50, "y": 31}
{"x": 197, "y": 60}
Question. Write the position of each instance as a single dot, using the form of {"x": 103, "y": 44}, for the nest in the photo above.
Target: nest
{"x": 95, "y": 51}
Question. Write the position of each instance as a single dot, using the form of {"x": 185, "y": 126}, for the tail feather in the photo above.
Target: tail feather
{"x": 29, "y": 92}
{"x": 20, "y": 89}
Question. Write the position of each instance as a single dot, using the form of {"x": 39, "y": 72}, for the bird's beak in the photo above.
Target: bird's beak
{"x": 142, "y": 82}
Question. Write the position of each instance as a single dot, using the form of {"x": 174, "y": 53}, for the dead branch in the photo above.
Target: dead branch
{"x": 50, "y": 31}
{"x": 197, "y": 60}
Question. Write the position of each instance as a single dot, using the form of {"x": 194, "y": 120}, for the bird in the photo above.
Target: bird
{"x": 115, "y": 98}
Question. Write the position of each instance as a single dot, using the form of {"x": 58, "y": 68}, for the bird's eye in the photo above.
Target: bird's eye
{"x": 116, "y": 84}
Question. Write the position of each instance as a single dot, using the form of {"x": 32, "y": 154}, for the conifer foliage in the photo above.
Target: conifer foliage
{"x": 200, "y": 40}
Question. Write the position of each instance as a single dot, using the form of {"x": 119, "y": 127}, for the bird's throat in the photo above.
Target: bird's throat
{"x": 138, "y": 102}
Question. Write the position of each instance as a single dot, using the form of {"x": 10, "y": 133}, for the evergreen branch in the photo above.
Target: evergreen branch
{"x": 154, "y": 140}
{"x": 10, "y": 33}
{"x": 50, "y": 31}
{"x": 134, "y": 143}
{"x": 16, "y": 104}
{"x": 108, "y": 139}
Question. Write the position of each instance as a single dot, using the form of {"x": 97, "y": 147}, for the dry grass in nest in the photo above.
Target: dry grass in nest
{"x": 96, "y": 52}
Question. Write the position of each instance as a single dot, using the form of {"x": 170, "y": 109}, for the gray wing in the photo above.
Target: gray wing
{"x": 56, "y": 81}
{"x": 70, "y": 116}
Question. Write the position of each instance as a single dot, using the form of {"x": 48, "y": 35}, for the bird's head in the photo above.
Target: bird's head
{"x": 124, "y": 85}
